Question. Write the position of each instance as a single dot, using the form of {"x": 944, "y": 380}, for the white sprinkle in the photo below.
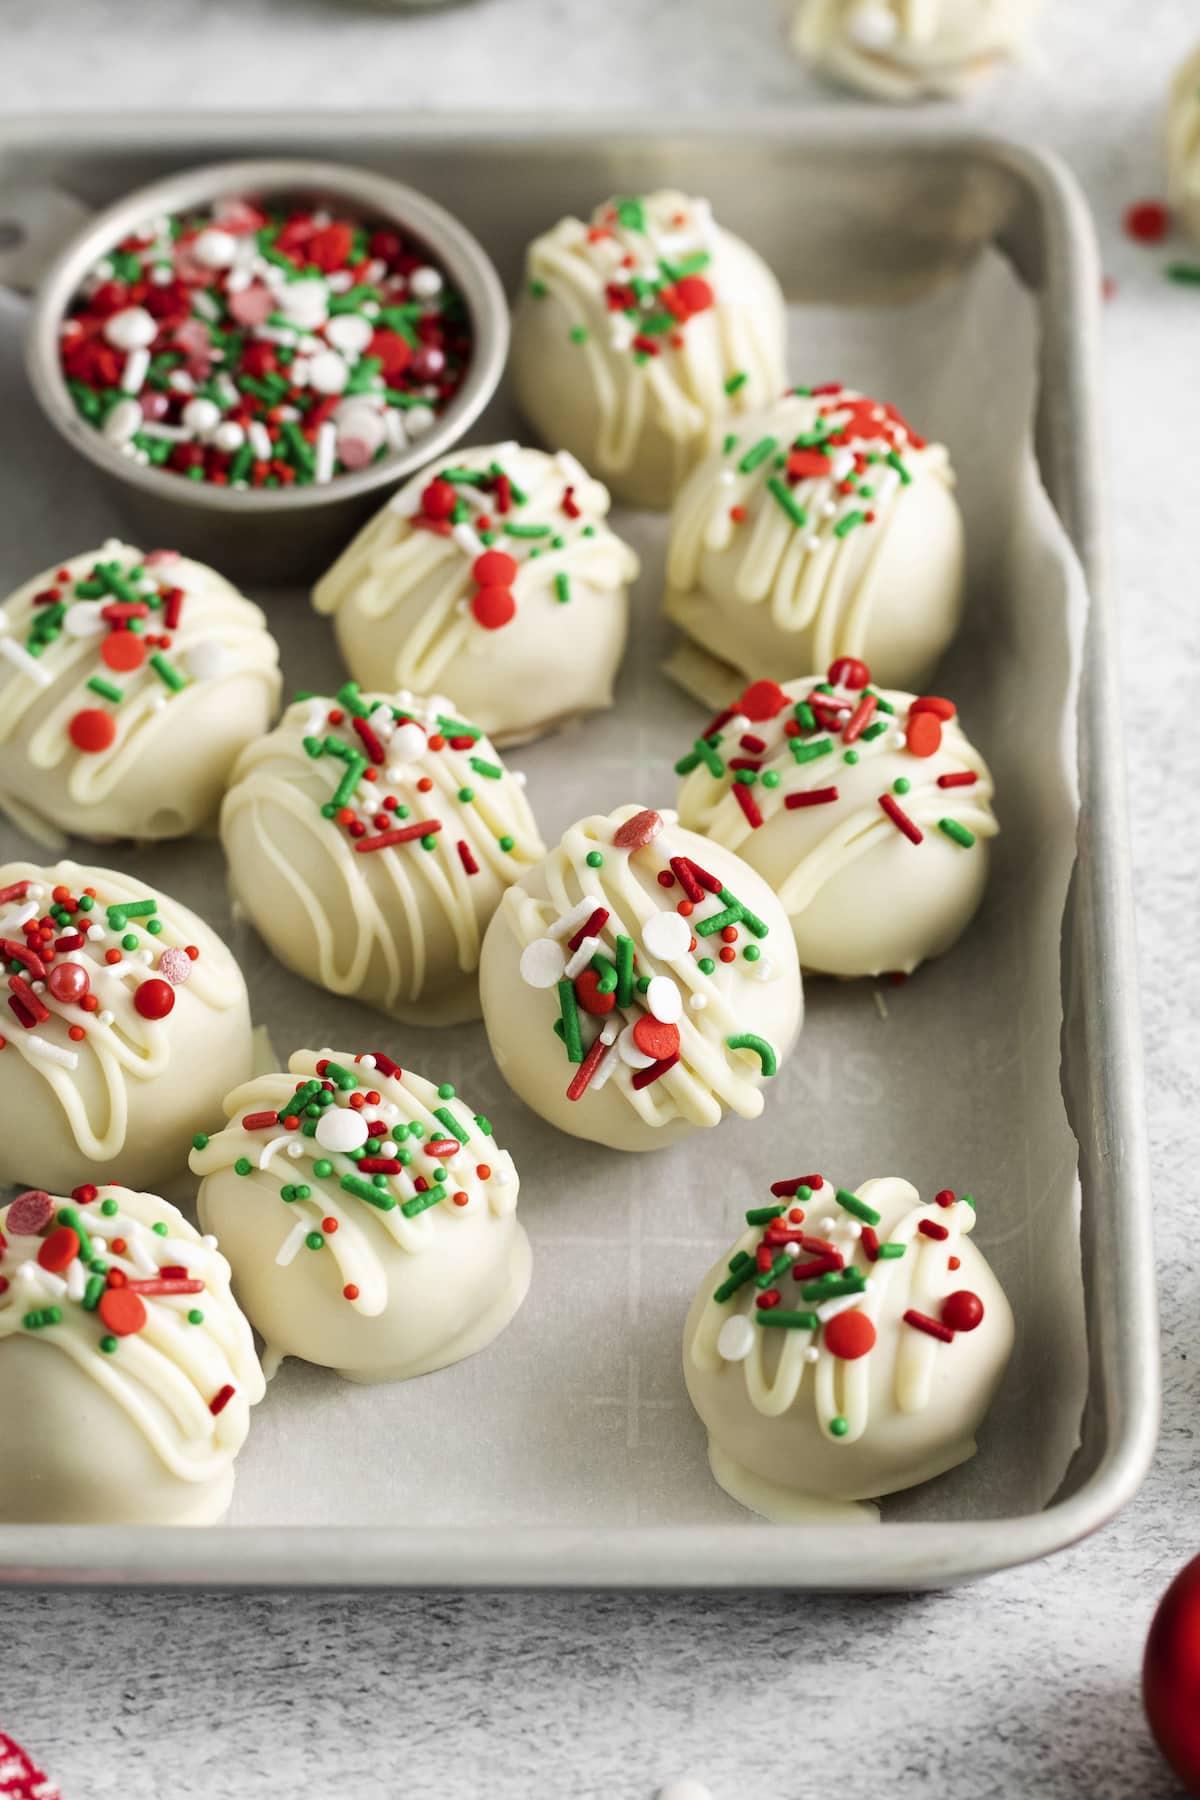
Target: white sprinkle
{"x": 829, "y": 1309}
{"x": 418, "y": 420}
{"x": 272, "y": 1145}
{"x": 292, "y": 1244}
{"x": 214, "y": 248}
{"x": 228, "y": 436}
{"x": 812, "y": 1354}
{"x": 134, "y": 372}
{"x": 604, "y": 1068}
{"x": 664, "y": 999}
{"x": 571, "y": 921}
{"x": 122, "y": 421}
{"x": 467, "y": 540}
{"x": 130, "y": 329}
{"x": 328, "y": 372}
{"x": 295, "y": 1149}
{"x": 425, "y": 282}
{"x": 542, "y": 963}
{"x": 83, "y": 620}
{"x": 52, "y": 1284}
{"x": 180, "y": 382}
{"x": 201, "y": 415}
{"x": 407, "y": 744}
{"x": 26, "y": 664}
{"x": 698, "y": 1002}
{"x": 350, "y": 333}
{"x": 66, "y": 1059}
{"x": 260, "y": 441}
{"x": 736, "y": 1338}
{"x": 76, "y": 1280}
{"x": 104, "y": 1017}
{"x": 631, "y": 1055}
{"x": 667, "y": 936}
{"x": 341, "y": 1128}
{"x": 326, "y": 451}
{"x": 582, "y": 957}
{"x": 305, "y": 304}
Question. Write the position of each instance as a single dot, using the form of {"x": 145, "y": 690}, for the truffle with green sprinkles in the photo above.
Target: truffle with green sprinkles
{"x": 827, "y": 525}
{"x": 379, "y": 1213}
{"x": 494, "y": 575}
{"x": 839, "y": 792}
{"x": 129, "y": 682}
{"x": 846, "y": 1346}
{"x": 118, "y": 1327}
{"x": 640, "y": 983}
{"x": 391, "y": 829}
{"x": 641, "y": 334}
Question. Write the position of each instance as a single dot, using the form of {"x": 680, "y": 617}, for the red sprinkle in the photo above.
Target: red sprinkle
{"x": 849, "y": 1335}
{"x": 962, "y": 1310}
{"x": 958, "y": 778}
{"x": 932, "y": 1327}
{"x": 586, "y": 1070}
{"x": 655, "y": 1072}
{"x": 748, "y": 804}
{"x": 811, "y": 797}
{"x": 762, "y": 700}
{"x": 466, "y": 858}
{"x": 1148, "y": 221}
{"x": 92, "y": 730}
{"x": 399, "y": 834}
{"x": 122, "y": 1311}
{"x": 220, "y": 1401}
{"x": 901, "y": 820}
{"x": 930, "y": 1228}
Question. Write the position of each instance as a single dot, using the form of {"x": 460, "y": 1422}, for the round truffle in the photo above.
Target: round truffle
{"x": 826, "y": 527}
{"x": 893, "y": 50}
{"x": 493, "y": 578}
{"x": 1183, "y": 146}
{"x": 128, "y": 685}
{"x": 127, "y": 1019}
{"x": 369, "y": 1216}
{"x": 832, "y": 1354}
{"x": 640, "y": 337}
{"x": 127, "y": 1372}
{"x": 867, "y": 810}
{"x": 639, "y": 983}
{"x": 369, "y": 840}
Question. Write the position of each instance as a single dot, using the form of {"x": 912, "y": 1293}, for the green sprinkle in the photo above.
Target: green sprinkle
{"x": 195, "y": 1317}
{"x": 706, "y": 965}
{"x": 322, "y": 1167}
{"x": 757, "y": 455}
{"x": 748, "y": 1040}
{"x": 105, "y": 689}
{"x": 771, "y": 778}
{"x": 366, "y": 1190}
{"x": 160, "y": 1230}
{"x": 490, "y": 770}
{"x": 166, "y": 671}
{"x": 958, "y": 832}
{"x": 874, "y": 731}
{"x": 1186, "y": 273}
{"x": 901, "y": 785}
{"x": 806, "y": 753}
{"x": 243, "y": 1166}
{"x": 838, "y": 1427}
{"x": 130, "y": 941}
{"x": 780, "y": 1266}
{"x": 110, "y": 1209}
{"x": 736, "y": 381}
{"x": 538, "y": 289}
{"x": 453, "y": 1125}
{"x": 852, "y": 1204}
{"x": 108, "y": 1345}
{"x": 730, "y": 444}
{"x": 624, "y": 970}
{"x": 68, "y": 1215}
{"x": 506, "y": 843}
{"x": 562, "y": 588}
{"x": 834, "y": 1287}
{"x": 529, "y": 531}
{"x": 578, "y": 334}
{"x": 315, "y": 1241}
{"x": 752, "y": 953}
{"x": 762, "y": 1215}
{"x": 733, "y": 1282}
{"x": 572, "y": 1036}
{"x": 787, "y": 1321}
{"x": 422, "y": 1202}
{"x": 845, "y": 526}
{"x": 780, "y": 491}
{"x": 890, "y": 1252}
{"x": 92, "y": 1292}
{"x": 850, "y": 756}
{"x": 594, "y": 859}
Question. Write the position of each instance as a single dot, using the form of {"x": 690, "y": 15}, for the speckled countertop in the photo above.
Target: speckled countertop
{"x": 1023, "y": 1686}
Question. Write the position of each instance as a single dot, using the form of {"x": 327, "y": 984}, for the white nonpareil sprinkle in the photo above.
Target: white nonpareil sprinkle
{"x": 130, "y": 329}
{"x": 341, "y": 1128}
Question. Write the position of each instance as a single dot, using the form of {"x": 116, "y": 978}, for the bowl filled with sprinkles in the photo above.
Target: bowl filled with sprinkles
{"x": 242, "y": 346}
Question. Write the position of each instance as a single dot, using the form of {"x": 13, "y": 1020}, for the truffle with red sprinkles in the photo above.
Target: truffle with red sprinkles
{"x": 127, "y": 1371}
{"x": 895, "y": 50}
{"x": 369, "y": 1215}
{"x": 263, "y": 347}
{"x": 848, "y": 1345}
{"x": 641, "y": 336}
{"x": 126, "y": 1018}
{"x": 129, "y": 682}
{"x": 867, "y": 810}
{"x": 639, "y": 983}
{"x": 823, "y": 527}
{"x": 493, "y": 578}
{"x": 370, "y": 838}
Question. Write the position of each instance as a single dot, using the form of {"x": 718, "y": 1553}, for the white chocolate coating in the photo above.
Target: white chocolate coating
{"x": 118, "y": 1427}
{"x": 522, "y": 998}
{"x": 396, "y": 925}
{"x": 403, "y": 594}
{"x": 862, "y": 897}
{"x": 379, "y": 1291}
{"x": 1183, "y": 146}
{"x": 633, "y": 380}
{"x": 129, "y": 1091}
{"x": 803, "y": 571}
{"x": 910, "y": 49}
{"x": 790, "y": 1421}
{"x": 164, "y": 772}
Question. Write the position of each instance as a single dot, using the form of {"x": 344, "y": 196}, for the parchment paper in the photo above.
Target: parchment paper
{"x": 577, "y": 1415}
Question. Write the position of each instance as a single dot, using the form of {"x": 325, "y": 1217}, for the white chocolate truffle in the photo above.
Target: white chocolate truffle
{"x": 639, "y": 983}
{"x": 127, "y": 1372}
{"x": 129, "y": 1018}
{"x": 128, "y": 685}
{"x": 640, "y": 335}
{"x": 867, "y": 810}
{"x": 826, "y": 528}
{"x": 493, "y": 578}
{"x": 383, "y": 1250}
{"x": 369, "y": 840}
{"x": 1183, "y": 146}
{"x": 909, "y": 49}
{"x": 846, "y": 1348}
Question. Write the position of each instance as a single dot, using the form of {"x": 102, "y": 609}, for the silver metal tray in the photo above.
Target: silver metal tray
{"x": 851, "y": 207}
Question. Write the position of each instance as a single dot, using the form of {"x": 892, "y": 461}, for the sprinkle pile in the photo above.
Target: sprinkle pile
{"x": 833, "y": 1286}
{"x": 90, "y": 1258}
{"x": 57, "y": 958}
{"x": 767, "y": 736}
{"x": 654, "y": 281}
{"x": 358, "y": 1143}
{"x": 264, "y": 347}
{"x": 592, "y": 964}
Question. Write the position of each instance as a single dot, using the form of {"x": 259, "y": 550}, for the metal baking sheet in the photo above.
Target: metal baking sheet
{"x": 851, "y": 208}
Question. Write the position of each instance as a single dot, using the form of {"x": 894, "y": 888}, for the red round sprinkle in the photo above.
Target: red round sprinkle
{"x": 154, "y": 999}
{"x": 123, "y": 651}
{"x": 636, "y": 832}
{"x": 655, "y": 1037}
{"x": 68, "y": 982}
{"x": 493, "y": 607}
{"x": 495, "y": 568}
{"x": 587, "y": 985}
{"x": 350, "y": 1291}
{"x": 849, "y": 1335}
{"x": 962, "y": 1310}
{"x": 439, "y": 500}
{"x": 92, "y": 730}
{"x": 29, "y": 1213}
{"x": 124, "y": 1313}
{"x": 59, "y": 1249}
{"x": 849, "y": 672}
{"x": 923, "y": 734}
{"x": 694, "y": 293}
{"x": 933, "y": 703}
{"x": 1148, "y": 221}
{"x": 762, "y": 700}
{"x": 945, "y": 1197}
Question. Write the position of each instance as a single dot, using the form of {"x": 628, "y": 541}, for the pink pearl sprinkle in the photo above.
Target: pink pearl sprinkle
{"x": 355, "y": 452}
{"x": 175, "y": 966}
{"x": 29, "y": 1213}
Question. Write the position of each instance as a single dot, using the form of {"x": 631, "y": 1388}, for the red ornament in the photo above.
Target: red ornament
{"x": 762, "y": 700}
{"x": 154, "y": 999}
{"x": 495, "y": 568}
{"x": 1148, "y": 221}
{"x": 923, "y": 734}
{"x": 68, "y": 982}
{"x": 493, "y": 607}
{"x": 849, "y": 1335}
{"x": 849, "y": 672}
{"x": 1171, "y": 1675}
{"x": 92, "y": 730}
{"x": 962, "y": 1311}
{"x": 123, "y": 651}
{"x": 587, "y": 992}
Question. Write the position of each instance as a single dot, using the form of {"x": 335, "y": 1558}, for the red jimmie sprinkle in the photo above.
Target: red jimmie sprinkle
{"x": 901, "y": 820}
{"x": 932, "y": 1327}
{"x": 748, "y": 804}
{"x": 824, "y": 796}
{"x": 220, "y": 1400}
